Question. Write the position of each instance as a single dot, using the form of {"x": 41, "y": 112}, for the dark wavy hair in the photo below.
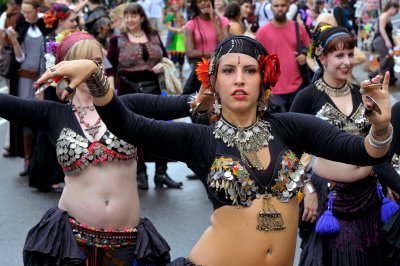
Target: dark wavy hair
{"x": 194, "y": 11}
{"x": 137, "y": 9}
{"x": 232, "y": 11}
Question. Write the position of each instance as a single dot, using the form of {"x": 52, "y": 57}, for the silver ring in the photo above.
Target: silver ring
{"x": 53, "y": 69}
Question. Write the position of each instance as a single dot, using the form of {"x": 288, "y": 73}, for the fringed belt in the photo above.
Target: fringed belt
{"x": 102, "y": 238}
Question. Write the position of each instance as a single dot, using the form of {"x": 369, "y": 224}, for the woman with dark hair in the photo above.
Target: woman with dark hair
{"x": 245, "y": 11}
{"x": 203, "y": 32}
{"x": 248, "y": 159}
{"x": 383, "y": 41}
{"x": 136, "y": 56}
{"x": 233, "y": 13}
{"x": 352, "y": 236}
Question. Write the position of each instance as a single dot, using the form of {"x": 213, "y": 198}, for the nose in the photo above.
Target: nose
{"x": 239, "y": 79}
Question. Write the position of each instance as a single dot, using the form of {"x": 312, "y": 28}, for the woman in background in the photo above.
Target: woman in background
{"x": 28, "y": 48}
{"x": 383, "y": 41}
{"x": 176, "y": 39}
{"x": 348, "y": 190}
{"x": 203, "y": 32}
{"x": 136, "y": 56}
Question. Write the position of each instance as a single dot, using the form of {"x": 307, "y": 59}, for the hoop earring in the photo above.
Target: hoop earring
{"x": 217, "y": 106}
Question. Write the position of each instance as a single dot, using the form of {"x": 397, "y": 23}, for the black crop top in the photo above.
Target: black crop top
{"x": 74, "y": 151}
{"x": 315, "y": 102}
{"x": 196, "y": 146}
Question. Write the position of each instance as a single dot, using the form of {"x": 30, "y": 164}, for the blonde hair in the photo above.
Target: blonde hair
{"x": 82, "y": 49}
{"x": 118, "y": 12}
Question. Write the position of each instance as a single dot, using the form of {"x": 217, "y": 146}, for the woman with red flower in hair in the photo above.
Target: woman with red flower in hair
{"x": 248, "y": 160}
{"x": 45, "y": 173}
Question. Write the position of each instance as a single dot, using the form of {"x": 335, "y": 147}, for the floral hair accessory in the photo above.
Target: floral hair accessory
{"x": 271, "y": 67}
{"x": 56, "y": 13}
{"x": 202, "y": 72}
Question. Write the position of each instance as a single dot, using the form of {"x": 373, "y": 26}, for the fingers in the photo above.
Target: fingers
{"x": 309, "y": 215}
{"x": 386, "y": 81}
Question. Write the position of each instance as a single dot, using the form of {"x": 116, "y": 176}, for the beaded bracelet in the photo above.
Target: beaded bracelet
{"x": 380, "y": 144}
{"x": 98, "y": 84}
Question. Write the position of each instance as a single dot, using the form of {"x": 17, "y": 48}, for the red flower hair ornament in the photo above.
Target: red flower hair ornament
{"x": 202, "y": 73}
{"x": 271, "y": 67}
{"x": 268, "y": 64}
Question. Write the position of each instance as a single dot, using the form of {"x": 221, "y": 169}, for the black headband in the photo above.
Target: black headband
{"x": 237, "y": 44}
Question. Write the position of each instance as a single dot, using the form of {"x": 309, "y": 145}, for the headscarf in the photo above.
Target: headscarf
{"x": 68, "y": 41}
{"x": 320, "y": 40}
{"x": 269, "y": 63}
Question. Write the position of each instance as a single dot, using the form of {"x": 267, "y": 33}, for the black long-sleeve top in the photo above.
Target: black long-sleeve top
{"x": 312, "y": 101}
{"x": 74, "y": 150}
{"x": 385, "y": 171}
{"x": 196, "y": 146}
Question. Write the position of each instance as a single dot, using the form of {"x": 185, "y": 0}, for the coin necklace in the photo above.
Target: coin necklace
{"x": 249, "y": 141}
{"x": 81, "y": 111}
{"x": 331, "y": 91}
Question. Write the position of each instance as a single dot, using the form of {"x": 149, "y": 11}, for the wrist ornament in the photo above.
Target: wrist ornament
{"x": 97, "y": 83}
{"x": 308, "y": 185}
{"x": 380, "y": 144}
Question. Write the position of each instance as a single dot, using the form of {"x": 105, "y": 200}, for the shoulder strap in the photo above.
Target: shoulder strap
{"x": 298, "y": 45}
{"x": 263, "y": 8}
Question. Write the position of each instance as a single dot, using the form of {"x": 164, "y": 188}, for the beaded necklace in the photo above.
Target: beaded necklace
{"x": 81, "y": 111}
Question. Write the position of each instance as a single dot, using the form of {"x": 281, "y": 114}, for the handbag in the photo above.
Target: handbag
{"x": 149, "y": 87}
{"x": 304, "y": 70}
{"x": 5, "y": 60}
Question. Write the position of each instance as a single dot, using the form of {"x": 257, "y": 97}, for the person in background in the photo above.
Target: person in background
{"x": 279, "y": 36}
{"x": 117, "y": 18}
{"x": 175, "y": 44}
{"x": 8, "y": 18}
{"x": 27, "y": 39}
{"x": 293, "y": 10}
{"x": 233, "y": 13}
{"x": 352, "y": 234}
{"x": 245, "y": 11}
{"x": 45, "y": 172}
{"x": 263, "y": 12}
{"x": 136, "y": 56}
{"x": 247, "y": 159}
{"x": 220, "y": 6}
{"x": 156, "y": 14}
{"x": 203, "y": 32}
{"x": 383, "y": 40}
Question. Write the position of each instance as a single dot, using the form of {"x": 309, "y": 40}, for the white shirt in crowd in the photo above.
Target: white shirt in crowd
{"x": 156, "y": 8}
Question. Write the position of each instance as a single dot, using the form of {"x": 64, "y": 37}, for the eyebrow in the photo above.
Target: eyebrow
{"x": 229, "y": 65}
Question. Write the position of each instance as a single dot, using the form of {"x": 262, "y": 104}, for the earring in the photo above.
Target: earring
{"x": 324, "y": 66}
{"x": 262, "y": 106}
{"x": 217, "y": 107}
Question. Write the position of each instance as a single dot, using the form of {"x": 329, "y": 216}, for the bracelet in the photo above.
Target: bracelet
{"x": 310, "y": 187}
{"x": 98, "y": 84}
{"x": 380, "y": 144}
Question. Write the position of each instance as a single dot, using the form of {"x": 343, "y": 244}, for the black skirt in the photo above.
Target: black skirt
{"x": 52, "y": 243}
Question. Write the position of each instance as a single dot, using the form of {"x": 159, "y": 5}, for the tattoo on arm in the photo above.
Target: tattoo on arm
{"x": 381, "y": 132}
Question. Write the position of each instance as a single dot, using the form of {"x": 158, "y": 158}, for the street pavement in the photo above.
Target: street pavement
{"x": 180, "y": 215}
